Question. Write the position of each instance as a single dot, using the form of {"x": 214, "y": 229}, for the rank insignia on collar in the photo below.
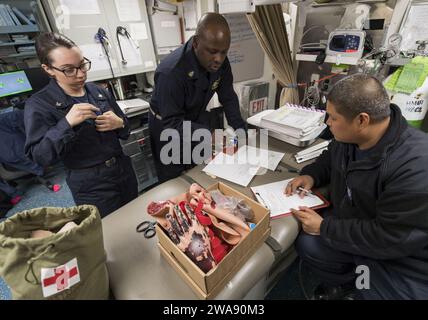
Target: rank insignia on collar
{"x": 216, "y": 84}
{"x": 58, "y": 104}
{"x": 100, "y": 96}
{"x": 191, "y": 74}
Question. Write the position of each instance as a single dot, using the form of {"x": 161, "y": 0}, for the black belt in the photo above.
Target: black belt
{"x": 108, "y": 163}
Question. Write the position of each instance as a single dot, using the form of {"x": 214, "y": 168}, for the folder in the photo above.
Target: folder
{"x": 272, "y": 196}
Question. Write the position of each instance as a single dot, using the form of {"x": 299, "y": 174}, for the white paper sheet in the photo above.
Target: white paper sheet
{"x": 415, "y": 26}
{"x": 128, "y": 10}
{"x": 272, "y": 196}
{"x": 138, "y": 31}
{"x": 131, "y": 54}
{"x": 227, "y": 167}
{"x": 95, "y": 53}
{"x": 260, "y": 157}
{"x": 77, "y": 7}
{"x": 190, "y": 14}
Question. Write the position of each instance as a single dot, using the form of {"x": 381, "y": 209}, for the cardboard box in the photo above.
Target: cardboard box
{"x": 208, "y": 285}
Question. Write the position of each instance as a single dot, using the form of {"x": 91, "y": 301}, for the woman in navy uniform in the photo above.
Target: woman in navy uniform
{"x": 80, "y": 124}
{"x": 185, "y": 82}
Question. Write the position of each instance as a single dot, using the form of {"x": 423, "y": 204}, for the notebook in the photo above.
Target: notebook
{"x": 272, "y": 196}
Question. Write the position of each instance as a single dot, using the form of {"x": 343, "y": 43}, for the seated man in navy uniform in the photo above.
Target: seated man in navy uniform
{"x": 374, "y": 236}
{"x": 185, "y": 82}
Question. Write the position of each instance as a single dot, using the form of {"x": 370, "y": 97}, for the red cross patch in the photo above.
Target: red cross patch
{"x": 56, "y": 280}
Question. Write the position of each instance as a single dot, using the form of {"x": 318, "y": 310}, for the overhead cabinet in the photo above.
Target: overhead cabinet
{"x": 122, "y": 25}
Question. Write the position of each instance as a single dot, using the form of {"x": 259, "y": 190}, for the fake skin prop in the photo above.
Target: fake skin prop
{"x": 202, "y": 230}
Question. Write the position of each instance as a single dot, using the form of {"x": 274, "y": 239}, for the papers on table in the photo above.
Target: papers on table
{"x": 241, "y": 167}
{"x": 261, "y": 157}
{"x": 228, "y": 167}
{"x": 272, "y": 197}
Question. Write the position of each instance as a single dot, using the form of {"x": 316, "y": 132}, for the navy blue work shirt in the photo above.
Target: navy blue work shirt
{"x": 49, "y": 137}
{"x": 183, "y": 89}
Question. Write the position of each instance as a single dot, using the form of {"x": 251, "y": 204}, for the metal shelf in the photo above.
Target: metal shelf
{"x": 10, "y": 44}
{"x": 21, "y": 55}
{"x": 334, "y": 3}
{"x": 19, "y": 29}
{"x": 328, "y": 59}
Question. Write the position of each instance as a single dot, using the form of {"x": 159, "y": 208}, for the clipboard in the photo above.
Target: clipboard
{"x": 272, "y": 197}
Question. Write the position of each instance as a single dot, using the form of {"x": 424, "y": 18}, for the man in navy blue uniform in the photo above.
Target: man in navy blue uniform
{"x": 185, "y": 82}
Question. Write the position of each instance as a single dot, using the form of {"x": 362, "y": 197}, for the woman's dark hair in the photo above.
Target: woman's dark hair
{"x": 47, "y": 42}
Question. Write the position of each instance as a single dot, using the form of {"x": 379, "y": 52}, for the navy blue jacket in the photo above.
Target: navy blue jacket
{"x": 183, "y": 89}
{"x": 12, "y": 137}
{"x": 379, "y": 204}
{"x": 49, "y": 137}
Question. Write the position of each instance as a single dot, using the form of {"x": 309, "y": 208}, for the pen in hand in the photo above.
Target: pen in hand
{"x": 259, "y": 197}
{"x": 306, "y": 192}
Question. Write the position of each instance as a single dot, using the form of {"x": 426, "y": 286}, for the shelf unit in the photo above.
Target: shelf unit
{"x": 19, "y": 29}
{"x": 329, "y": 59}
{"x": 23, "y": 29}
{"x": 23, "y": 54}
{"x": 334, "y": 3}
{"x": 12, "y": 43}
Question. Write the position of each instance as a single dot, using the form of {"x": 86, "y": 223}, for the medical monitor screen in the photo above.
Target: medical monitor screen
{"x": 12, "y": 83}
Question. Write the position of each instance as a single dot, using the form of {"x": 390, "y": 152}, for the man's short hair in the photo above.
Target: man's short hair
{"x": 360, "y": 93}
{"x": 209, "y": 21}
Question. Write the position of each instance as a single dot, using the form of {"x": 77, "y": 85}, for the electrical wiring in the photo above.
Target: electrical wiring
{"x": 311, "y": 97}
{"x": 296, "y": 85}
{"x": 319, "y": 44}
{"x": 373, "y": 61}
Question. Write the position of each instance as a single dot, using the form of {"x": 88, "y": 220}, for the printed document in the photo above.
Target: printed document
{"x": 272, "y": 197}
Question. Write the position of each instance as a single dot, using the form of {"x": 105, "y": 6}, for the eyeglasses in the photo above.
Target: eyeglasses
{"x": 72, "y": 71}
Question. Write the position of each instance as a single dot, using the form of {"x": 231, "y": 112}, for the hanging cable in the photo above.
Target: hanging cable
{"x": 101, "y": 37}
{"x": 122, "y": 31}
{"x": 296, "y": 85}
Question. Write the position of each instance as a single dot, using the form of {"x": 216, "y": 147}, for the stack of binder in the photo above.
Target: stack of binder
{"x": 294, "y": 124}
{"x": 311, "y": 152}
{"x": 11, "y": 16}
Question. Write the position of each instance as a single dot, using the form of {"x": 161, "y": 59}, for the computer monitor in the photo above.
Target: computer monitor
{"x": 12, "y": 83}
